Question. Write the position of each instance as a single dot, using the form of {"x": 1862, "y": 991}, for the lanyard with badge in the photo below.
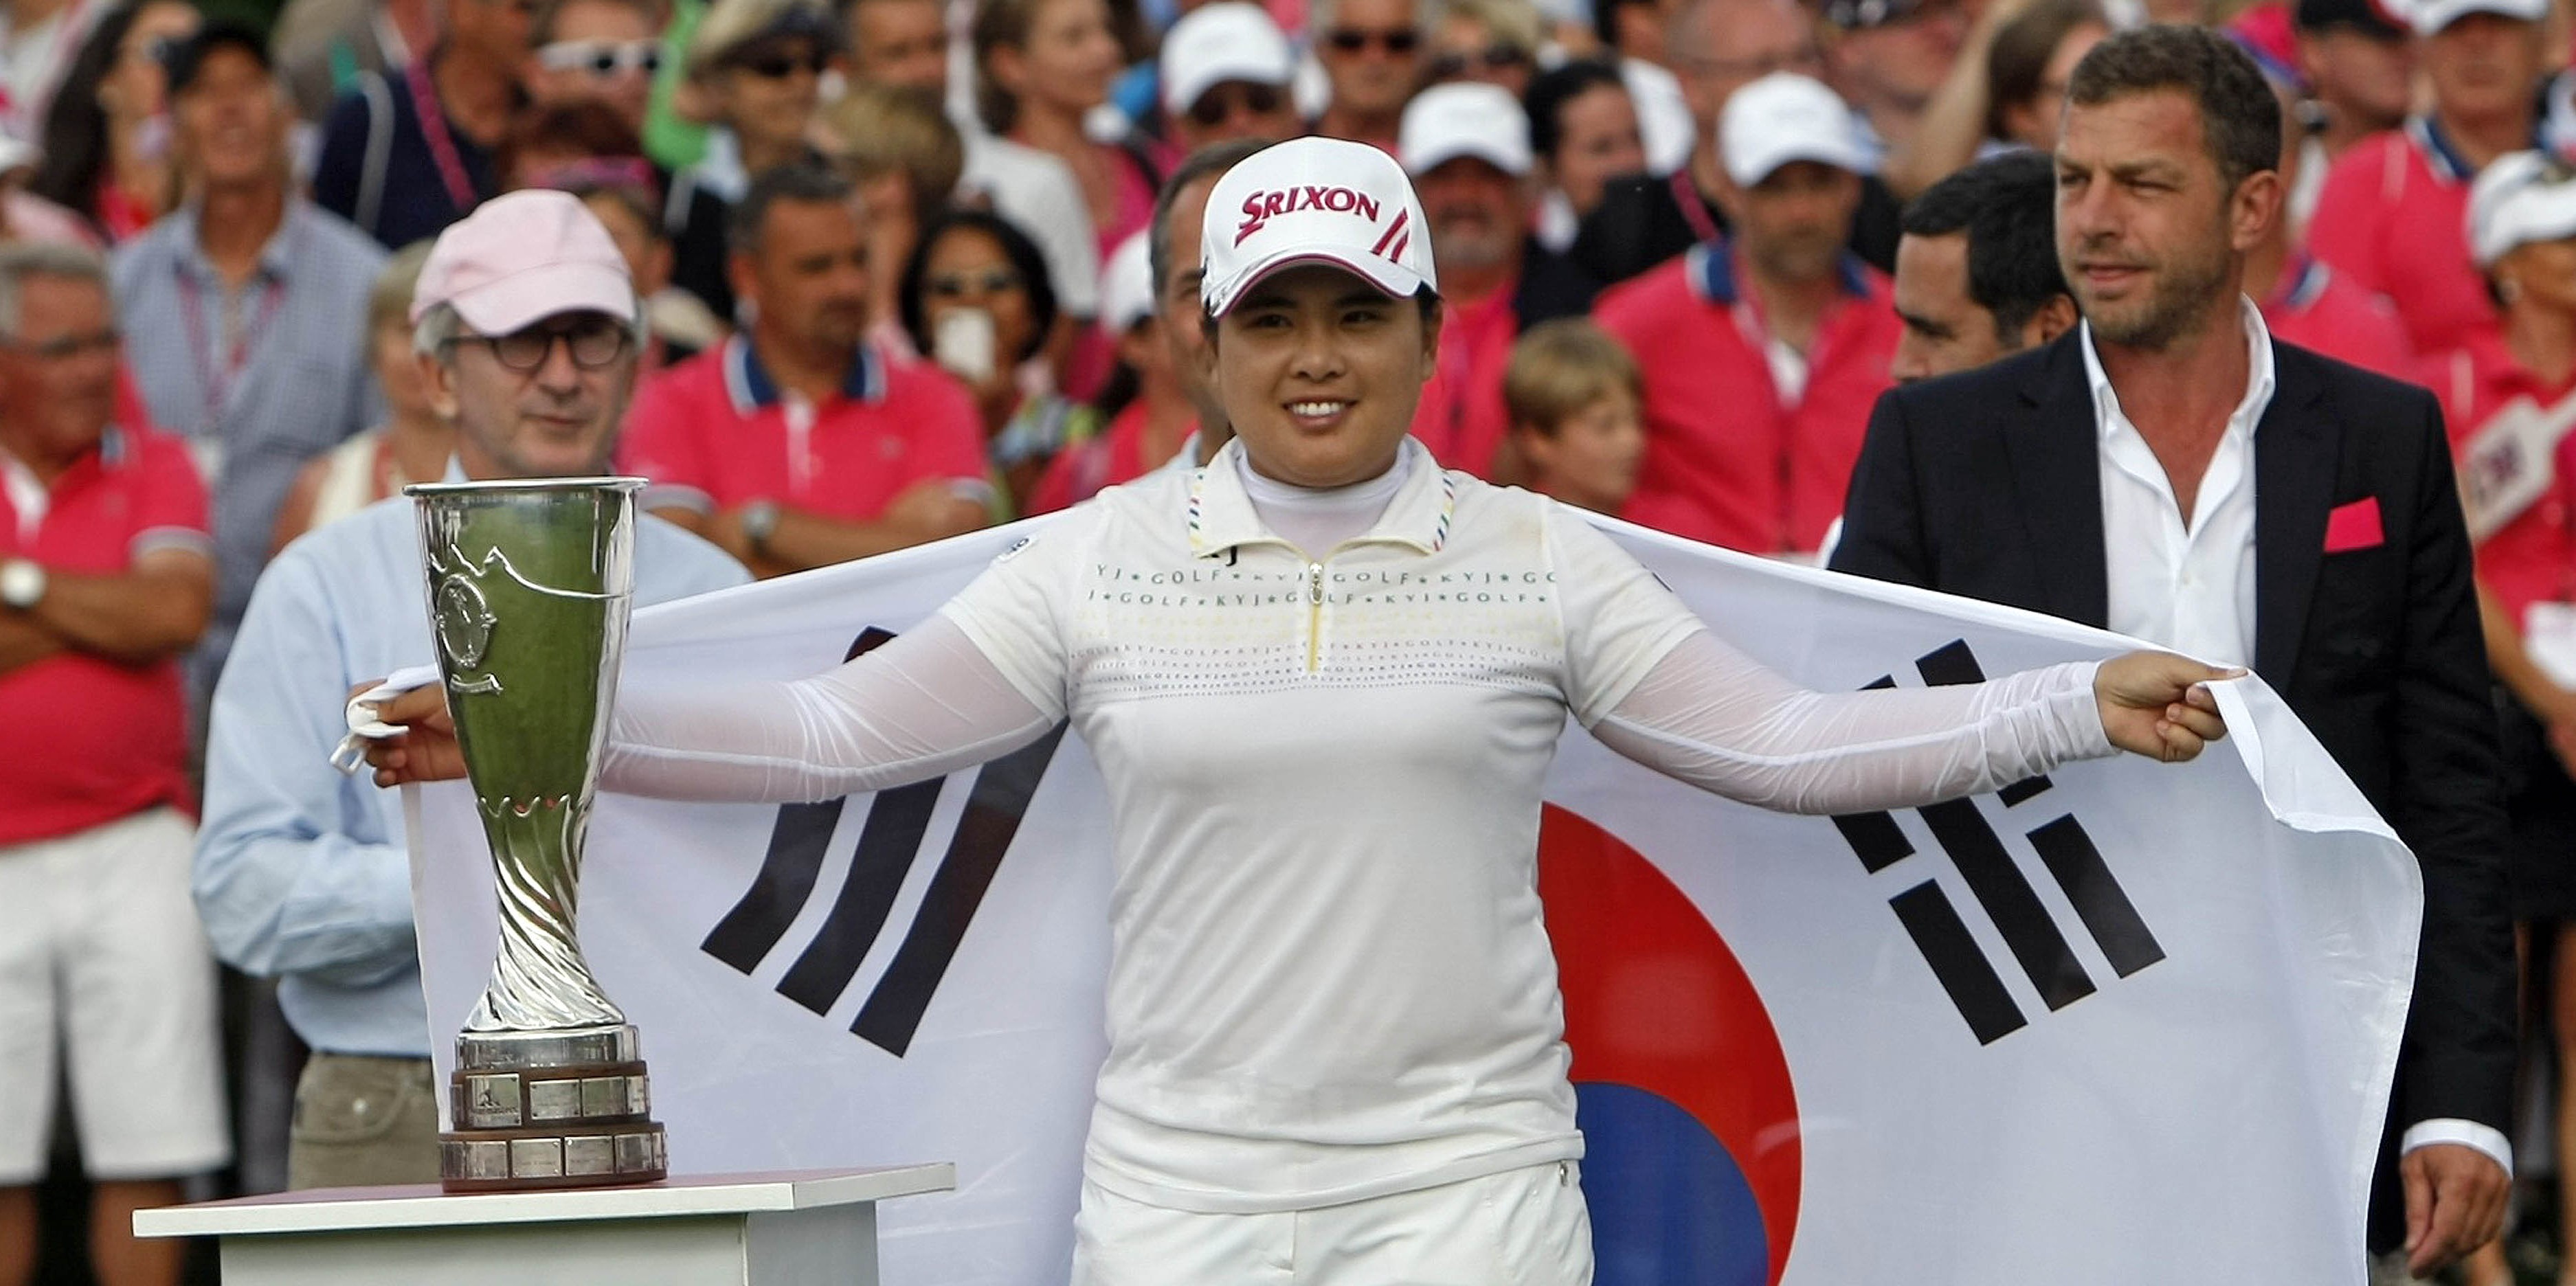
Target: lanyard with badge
{"x": 2549, "y": 625}
{"x": 442, "y": 145}
{"x": 2508, "y": 465}
{"x": 217, "y": 378}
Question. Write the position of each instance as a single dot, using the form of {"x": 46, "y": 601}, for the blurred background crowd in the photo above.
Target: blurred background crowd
{"x": 912, "y": 267}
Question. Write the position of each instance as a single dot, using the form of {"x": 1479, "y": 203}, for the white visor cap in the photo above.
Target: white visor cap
{"x": 2520, "y": 198}
{"x": 1313, "y": 201}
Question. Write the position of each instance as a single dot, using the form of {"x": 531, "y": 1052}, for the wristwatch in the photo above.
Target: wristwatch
{"x": 759, "y": 523}
{"x": 22, "y": 583}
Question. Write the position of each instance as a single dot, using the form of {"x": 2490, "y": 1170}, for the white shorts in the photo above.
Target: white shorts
{"x": 101, "y": 956}
{"x": 1525, "y": 1227}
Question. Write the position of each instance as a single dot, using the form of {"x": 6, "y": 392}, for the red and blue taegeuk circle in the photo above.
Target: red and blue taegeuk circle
{"x": 1692, "y": 1157}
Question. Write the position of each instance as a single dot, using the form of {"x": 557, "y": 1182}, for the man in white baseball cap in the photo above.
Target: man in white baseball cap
{"x": 1467, "y": 148}
{"x": 1763, "y": 349}
{"x": 2388, "y": 218}
{"x": 1226, "y": 69}
{"x": 526, "y": 322}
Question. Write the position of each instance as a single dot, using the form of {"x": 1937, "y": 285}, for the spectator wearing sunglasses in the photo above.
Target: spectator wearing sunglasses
{"x": 976, "y": 300}
{"x": 1225, "y": 70}
{"x": 1041, "y": 67}
{"x": 1584, "y": 133}
{"x": 794, "y": 444}
{"x": 757, "y": 67}
{"x": 107, "y": 135}
{"x": 1493, "y": 42}
{"x": 606, "y": 51}
{"x": 1372, "y": 55}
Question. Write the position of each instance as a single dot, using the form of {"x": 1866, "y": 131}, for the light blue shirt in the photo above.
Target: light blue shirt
{"x": 296, "y": 385}
{"x": 301, "y": 873}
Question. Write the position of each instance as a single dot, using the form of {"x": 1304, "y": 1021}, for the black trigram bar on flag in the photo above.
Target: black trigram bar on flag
{"x": 890, "y": 841}
{"x": 2003, "y": 891}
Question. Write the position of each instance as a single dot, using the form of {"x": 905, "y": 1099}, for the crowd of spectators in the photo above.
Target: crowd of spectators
{"x": 907, "y": 268}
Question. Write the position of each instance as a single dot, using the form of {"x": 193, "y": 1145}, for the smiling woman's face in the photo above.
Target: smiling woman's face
{"x": 1320, "y": 373}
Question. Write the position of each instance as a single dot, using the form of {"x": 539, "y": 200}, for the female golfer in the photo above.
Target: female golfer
{"x": 1323, "y": 680}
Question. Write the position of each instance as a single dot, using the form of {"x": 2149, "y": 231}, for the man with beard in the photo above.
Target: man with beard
{"x": 1762, "y": 349}
{"x": 2171, "y": 472}
{"x": 1467, "y": 148}
{"x": 794, "y": 445}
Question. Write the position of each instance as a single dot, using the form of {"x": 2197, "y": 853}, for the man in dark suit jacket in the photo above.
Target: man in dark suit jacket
{"x": 2167, "y": 470}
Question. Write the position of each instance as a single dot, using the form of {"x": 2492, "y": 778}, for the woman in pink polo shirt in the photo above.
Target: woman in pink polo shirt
{"x": 1336, "y": 1051}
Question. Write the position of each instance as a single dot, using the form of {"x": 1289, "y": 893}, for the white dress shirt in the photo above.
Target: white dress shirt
{"x": 2190, "y": 586}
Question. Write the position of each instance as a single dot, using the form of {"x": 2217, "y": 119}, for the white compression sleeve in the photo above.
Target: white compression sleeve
{"x": 925, "y": 704}
{"x": 1709, "y": 715}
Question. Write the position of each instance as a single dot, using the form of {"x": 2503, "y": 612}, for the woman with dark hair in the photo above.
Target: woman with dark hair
{"x": 107, "y": 135}
{"x": 1040, "y": 67}
{"x": 1583, "y": 129}
{"x": 976, "y": 300}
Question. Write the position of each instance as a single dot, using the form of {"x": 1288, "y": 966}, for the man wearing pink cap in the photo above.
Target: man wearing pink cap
{"x": 1336, "y": 1051}
{"x": 526, "y": 326}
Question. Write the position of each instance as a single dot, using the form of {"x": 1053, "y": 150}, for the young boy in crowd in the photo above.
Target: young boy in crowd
{"x": 1573, "y": 393}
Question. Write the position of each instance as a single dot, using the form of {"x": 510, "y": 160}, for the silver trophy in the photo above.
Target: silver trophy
{"x": 529, "y": 583}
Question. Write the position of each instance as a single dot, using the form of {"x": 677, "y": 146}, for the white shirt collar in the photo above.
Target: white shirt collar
{"x": 2108, "y": 418}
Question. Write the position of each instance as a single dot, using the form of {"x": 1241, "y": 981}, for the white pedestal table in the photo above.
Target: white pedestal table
{"x": 791, "y": 1228}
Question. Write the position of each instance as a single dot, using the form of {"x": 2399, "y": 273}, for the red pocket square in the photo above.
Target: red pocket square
{"x": 2354, "y": 526}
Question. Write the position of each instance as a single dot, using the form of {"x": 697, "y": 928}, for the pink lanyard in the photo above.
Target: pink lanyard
{"x": 1694, "y": 211}
{"x": 219, "y": 387}
{"x": 442, "y": 147}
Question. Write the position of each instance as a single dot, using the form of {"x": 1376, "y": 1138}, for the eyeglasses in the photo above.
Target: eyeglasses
{"x": 1399, "y": 41}
{"x": 63, "y": 348}
{"x": 602, "y": 58}
{"x": 594, "y": 342}
{"x": 1215, "y": 105}
{"x": 1491, "y": 58}
{"x": 781, "y": 66}
{"x": 958, "y": 285}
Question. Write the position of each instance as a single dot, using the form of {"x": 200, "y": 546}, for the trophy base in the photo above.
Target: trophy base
{"x": 553, "y": 1109}
{"x": 524, "y": 1160}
